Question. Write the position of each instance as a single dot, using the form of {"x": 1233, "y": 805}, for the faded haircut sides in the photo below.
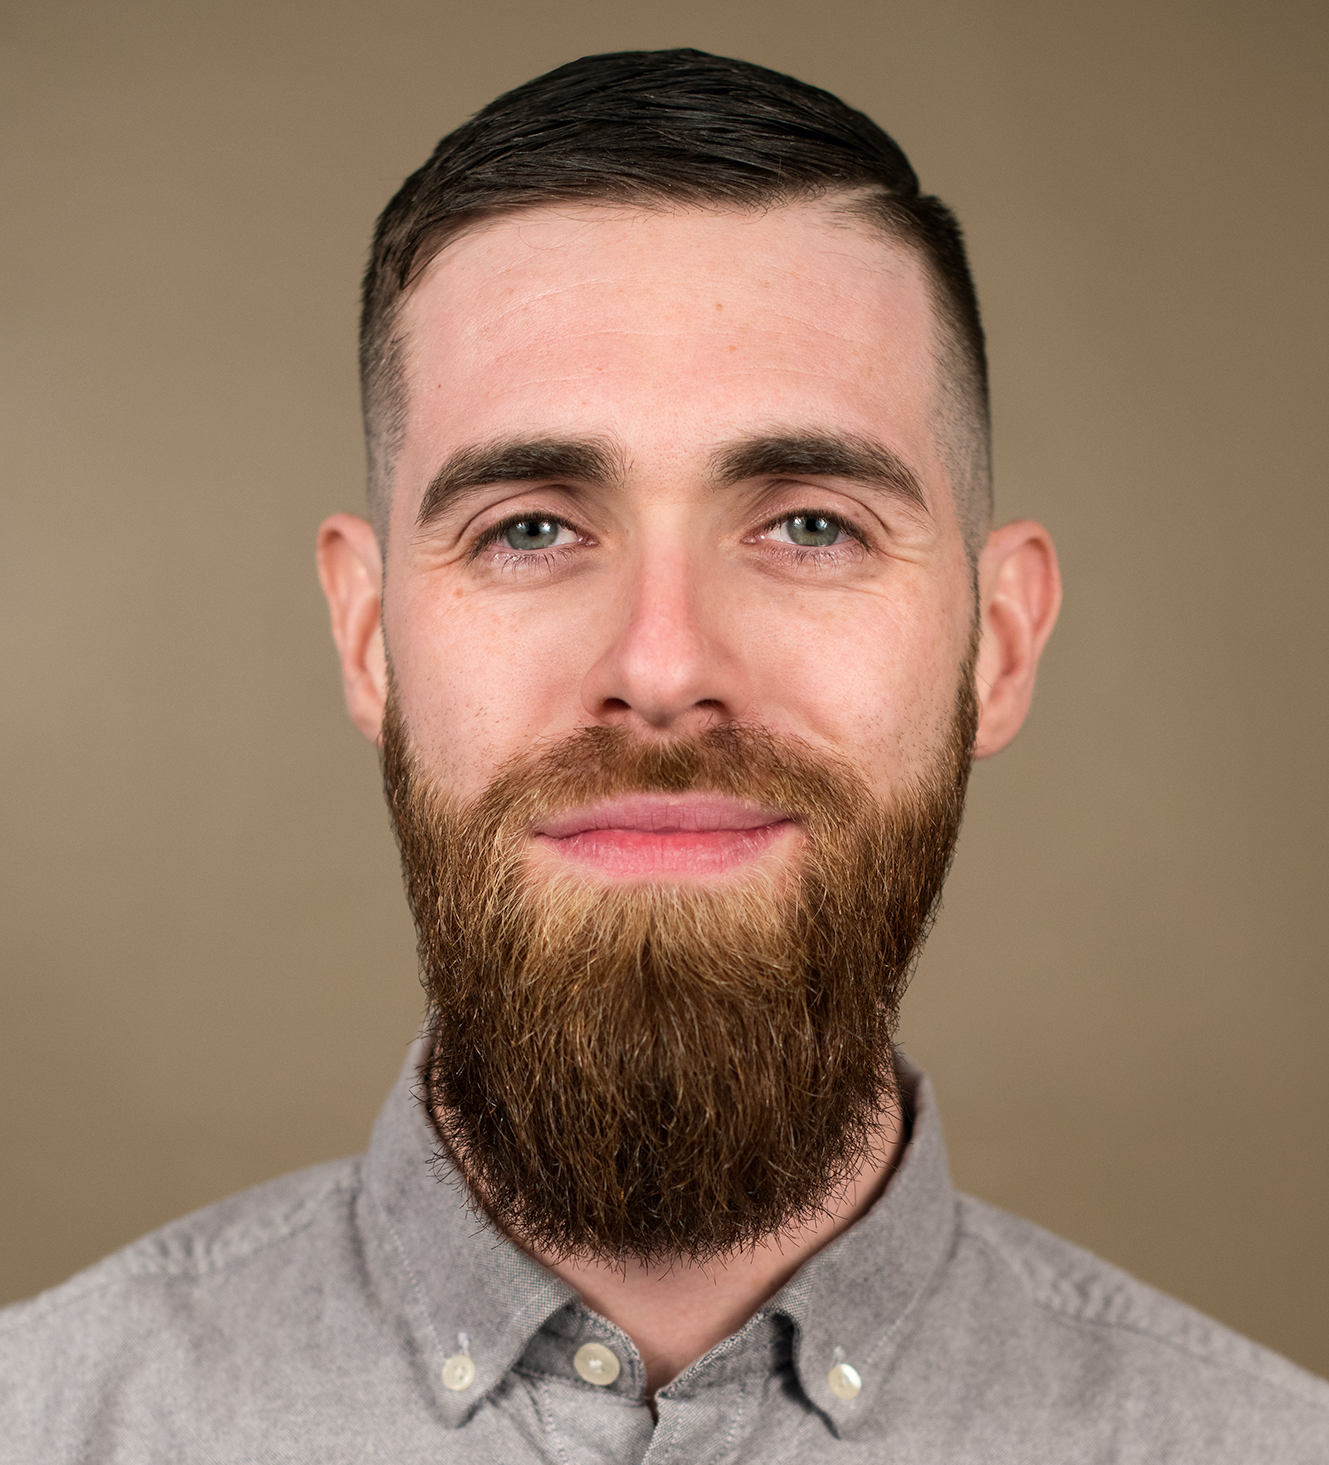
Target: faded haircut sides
{"x": 669, "y": 129}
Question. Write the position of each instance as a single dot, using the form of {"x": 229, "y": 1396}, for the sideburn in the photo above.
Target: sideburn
{"x": 662, "y": 1071}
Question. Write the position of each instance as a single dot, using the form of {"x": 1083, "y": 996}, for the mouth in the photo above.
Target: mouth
{"x": 673, "y": 835}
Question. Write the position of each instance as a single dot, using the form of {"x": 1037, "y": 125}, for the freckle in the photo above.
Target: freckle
{"x": 456, "y": 594}
{"x": 719, "y": 305}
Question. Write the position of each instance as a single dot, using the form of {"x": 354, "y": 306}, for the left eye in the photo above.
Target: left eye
{"x": 811, "y": 531}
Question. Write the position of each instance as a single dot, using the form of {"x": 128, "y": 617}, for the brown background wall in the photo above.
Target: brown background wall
{"x": 208, "y": 973}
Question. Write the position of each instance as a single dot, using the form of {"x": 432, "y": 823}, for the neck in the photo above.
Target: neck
{"x": 676, "y": 1312}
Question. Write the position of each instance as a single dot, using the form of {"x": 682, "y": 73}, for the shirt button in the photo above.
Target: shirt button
{"x": 595, "y": 1363}
{"x": 458, "y": 1372}
{"x": 844, "y": 1381}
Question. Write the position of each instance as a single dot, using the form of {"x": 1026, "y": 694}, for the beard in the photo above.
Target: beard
{"x": 662, "y": 1071}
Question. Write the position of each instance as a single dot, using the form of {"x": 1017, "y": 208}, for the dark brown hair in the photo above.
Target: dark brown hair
{"x": 670, "y": 128}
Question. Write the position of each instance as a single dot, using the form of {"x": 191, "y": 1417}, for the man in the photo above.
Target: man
{"x": 679, "y": 620}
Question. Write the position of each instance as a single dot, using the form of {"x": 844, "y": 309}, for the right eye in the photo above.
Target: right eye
{"x": 534, "y": 532}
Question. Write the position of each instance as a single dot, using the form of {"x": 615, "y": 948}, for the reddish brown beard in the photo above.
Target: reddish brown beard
{"x": 660, "y": 1071}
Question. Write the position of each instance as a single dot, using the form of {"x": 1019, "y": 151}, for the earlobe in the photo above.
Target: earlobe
{"x": 350, "y": 569}
{"x": 1019, "y": 597}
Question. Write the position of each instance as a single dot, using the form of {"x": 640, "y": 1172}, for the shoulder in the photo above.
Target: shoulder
{"x": 162, "y": 1319}
{"x": 241, "y": 1229}
{"x": 1130, "y": 1346}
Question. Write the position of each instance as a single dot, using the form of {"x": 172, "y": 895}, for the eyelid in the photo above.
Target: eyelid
{"x": 845, "y": 524}
{"x": 495, "y": 532}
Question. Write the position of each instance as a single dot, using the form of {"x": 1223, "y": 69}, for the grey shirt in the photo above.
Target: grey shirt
{"x": 311, "y": 1320}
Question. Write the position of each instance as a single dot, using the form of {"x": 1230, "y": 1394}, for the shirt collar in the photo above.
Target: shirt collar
{"x": 461, "y": 1287}
{"x": 856, "y": 1301}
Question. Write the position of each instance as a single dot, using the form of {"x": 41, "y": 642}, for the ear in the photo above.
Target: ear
{"x": 350, "y": 570}
{"x": 1019, "y": 591}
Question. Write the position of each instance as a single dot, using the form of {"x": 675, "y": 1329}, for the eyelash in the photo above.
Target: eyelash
{"x": 526, "y": 560}
{"x": 802, "y": 554}
{"x": 511, "y": 556}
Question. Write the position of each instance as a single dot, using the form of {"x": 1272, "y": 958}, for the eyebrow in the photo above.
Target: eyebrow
{"x": 514, "y": 460}
{"x": 598, "y": 462}
{"x": 797, "y": 455}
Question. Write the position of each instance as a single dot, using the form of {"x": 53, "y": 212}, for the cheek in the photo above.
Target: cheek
{"x": 481, "y": 677}
{"x": 872, "y": 678}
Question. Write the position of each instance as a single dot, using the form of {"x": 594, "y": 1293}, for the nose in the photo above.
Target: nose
{"x": 669, "y": 663}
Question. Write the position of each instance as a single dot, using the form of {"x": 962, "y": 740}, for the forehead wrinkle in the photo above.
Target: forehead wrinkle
{"x": 780, "y": 319}
{"x": 593, "y": 460}
{"x": 704, "y": 280}
{"x": 815, "y": 454}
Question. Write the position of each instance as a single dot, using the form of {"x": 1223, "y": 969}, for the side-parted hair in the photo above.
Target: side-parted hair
{"x": 664, "y": 129}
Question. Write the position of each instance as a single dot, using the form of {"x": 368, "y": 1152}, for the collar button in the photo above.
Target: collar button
{"x": 458, "y": 1372}
{"x": 844, "y": 1381}
{"x": 596, "y": 1364}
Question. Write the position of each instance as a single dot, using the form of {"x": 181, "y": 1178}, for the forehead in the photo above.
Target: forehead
{"x": 668, "y": 330}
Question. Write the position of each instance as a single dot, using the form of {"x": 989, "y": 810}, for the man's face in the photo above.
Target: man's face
{"x": 758, "y": 526}
{"x": 680, "y": 627}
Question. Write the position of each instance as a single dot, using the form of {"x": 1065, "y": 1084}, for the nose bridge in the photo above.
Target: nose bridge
{"x": 667, "y": 659}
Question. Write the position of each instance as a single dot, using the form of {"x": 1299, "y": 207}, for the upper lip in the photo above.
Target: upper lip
{"x": 662, "y": 814}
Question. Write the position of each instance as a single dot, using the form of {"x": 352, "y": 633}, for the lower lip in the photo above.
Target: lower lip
{"x": 629, "y": 853}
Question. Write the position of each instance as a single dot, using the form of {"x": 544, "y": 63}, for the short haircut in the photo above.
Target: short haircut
{"x": 664, "y": 129}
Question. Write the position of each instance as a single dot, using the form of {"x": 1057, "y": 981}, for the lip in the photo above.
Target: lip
{"x": 663, "y": 834}
{"x": 662, "y": 814}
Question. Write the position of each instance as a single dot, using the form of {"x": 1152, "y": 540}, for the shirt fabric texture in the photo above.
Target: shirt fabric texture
{"x": 309, "y": 1320}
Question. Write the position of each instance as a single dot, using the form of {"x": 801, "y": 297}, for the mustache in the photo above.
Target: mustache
{"x": 749, "y": 764}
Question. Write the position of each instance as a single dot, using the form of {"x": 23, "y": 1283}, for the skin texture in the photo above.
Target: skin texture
{"x": 673, "y": 598}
